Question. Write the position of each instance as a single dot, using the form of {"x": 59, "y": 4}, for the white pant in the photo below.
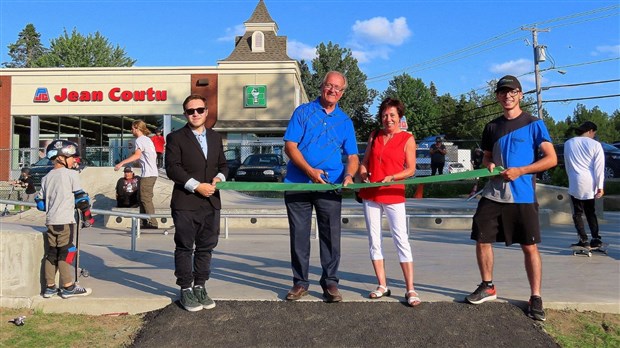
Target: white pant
{"x": 397, "y": 220}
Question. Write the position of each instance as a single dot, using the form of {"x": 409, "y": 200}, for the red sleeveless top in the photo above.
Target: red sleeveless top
{"x": 386, "y": 159}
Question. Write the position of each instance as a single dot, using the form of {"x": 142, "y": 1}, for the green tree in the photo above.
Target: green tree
{"x": 357, "y": 98}
{"x": 606, "y": 130}
{"x": 77, "y": 50}
{"x": 26, "y": 50}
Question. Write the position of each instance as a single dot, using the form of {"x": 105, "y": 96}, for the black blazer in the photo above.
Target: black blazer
{"x": 185, "y": 160}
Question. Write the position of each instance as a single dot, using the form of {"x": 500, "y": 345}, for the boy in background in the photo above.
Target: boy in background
{"x": 25, "y": 182}
{"x": 60, "y": 193}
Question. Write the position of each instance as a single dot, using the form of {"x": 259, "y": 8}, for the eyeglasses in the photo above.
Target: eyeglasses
{"x": 512, "y": 93}
{"x": 336, "y": 89}
{"x": 190, "y": 112}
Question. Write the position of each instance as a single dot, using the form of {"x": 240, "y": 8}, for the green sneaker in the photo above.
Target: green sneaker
{"x": 201, "y": 295}
{"x": 189, "y": 301}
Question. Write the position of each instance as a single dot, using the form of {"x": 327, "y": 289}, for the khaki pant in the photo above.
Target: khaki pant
{"x": 146, "y": 198}
{"x": 59, "y": 239}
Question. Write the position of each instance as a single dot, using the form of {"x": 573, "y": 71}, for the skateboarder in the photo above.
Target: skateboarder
{"x": 60, "y": 190}
{"x": 585, "y": 165}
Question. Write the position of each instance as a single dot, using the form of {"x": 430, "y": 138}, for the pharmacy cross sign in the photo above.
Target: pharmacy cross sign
{"x": 255, "y": 96}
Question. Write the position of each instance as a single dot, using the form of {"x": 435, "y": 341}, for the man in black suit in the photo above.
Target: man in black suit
{"x": 195, "y": 162}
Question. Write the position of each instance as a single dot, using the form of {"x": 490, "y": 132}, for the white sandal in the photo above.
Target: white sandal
{"x": 412, "y": 298}
{"x": 375, "y": 294}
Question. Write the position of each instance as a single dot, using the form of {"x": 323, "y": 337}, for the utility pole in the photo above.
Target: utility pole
{"x": 539, "y": 56}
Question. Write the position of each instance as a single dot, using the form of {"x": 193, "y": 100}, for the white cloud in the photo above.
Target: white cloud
{"x": 379, "y": 31}
{"x": 522, "y": 68}
{"x": 513, "y": 67}
{"x": 361, "y": 56}
{"x": 613, "y": 50}
{"x": 233, "y": 32}
{"x": 365, "y": 56}
{"x": 298, "y": 50}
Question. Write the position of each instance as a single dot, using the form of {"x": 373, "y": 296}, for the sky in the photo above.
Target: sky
{"x": 459, "y": 45}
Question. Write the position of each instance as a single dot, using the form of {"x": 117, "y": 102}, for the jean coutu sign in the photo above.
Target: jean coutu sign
{"x": 114, "y": 94}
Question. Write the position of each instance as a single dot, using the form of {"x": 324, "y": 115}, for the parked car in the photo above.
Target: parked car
{"x": 454, "y": 167}
{"x": 612, "y": 161}
{"x": 43, "y": 166}
{"x": 423, "y": 164}
{"x": 262, "y": 167}
{"x": 233, "y": 161}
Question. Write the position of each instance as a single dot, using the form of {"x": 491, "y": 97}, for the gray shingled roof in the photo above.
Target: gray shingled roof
{"x": 275, "y": 46}
{"x": 260, "y": 14}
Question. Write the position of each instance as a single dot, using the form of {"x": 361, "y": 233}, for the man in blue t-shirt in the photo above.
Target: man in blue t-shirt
{"x": 317, "y": 136}
{"x": 508, "y": 210}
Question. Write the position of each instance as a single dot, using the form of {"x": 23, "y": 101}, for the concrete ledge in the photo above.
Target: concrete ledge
{"x": 558, "y": 200}
{"x": 585, "y": 307}
{"x": 92, "y": 305}
{"x": 21, "y": 255}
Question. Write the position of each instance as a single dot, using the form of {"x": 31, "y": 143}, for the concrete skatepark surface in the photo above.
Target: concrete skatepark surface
{"x": 251, "y": 276}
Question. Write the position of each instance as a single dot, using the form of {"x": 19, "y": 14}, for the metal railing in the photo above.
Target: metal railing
{"x": 135, "y": 218}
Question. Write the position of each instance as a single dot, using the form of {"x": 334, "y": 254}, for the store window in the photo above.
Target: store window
{"x": 104, "y": 140}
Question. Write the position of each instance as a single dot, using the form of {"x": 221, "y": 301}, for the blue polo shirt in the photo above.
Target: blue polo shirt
{"x": 514, "y": 143}
{"x": 322, "y": 139}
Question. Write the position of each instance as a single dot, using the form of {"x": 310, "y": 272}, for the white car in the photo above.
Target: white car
{"x": 454, "y": 167}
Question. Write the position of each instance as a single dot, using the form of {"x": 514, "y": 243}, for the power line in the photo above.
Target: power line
{"x": 582, "y": 98}
{"x": 447, "y": 55}
{"x": 533, "y": 91}
{"x": 389, "y": 75}
{"x": 575, "y": 15}
{"x": 581, "y": 84}
{"x": 552, "y": 68}
{"x": 475, "y": 118}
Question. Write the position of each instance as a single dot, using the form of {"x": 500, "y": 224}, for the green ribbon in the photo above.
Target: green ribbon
{"x": 280, "y": 186}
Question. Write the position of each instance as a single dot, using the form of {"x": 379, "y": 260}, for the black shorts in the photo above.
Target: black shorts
{"x": 506, "y": 222}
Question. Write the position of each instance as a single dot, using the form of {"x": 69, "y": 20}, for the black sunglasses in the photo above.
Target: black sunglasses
{"x": 190, "y": 112}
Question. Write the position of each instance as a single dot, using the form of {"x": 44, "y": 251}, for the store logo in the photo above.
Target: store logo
{"x": 115, "y": 94}
{"x": 41, "y": 95}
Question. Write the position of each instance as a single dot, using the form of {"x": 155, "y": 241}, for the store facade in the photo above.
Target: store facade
{"x": 250, "y": 95}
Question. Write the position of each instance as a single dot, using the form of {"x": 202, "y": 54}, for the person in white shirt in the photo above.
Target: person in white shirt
{"x": 585, "y": 163}
{"x": 145, "y": 153}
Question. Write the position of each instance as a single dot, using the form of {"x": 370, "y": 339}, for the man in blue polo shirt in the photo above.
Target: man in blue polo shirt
{"x": 317, "y": 136}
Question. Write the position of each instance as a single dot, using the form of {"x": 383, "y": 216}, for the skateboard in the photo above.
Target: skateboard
{"x": 577, "y": 250}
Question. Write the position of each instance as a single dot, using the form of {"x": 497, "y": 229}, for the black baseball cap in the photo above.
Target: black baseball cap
{"x": 127, "y": 170}
{"x": 508, "y": 82}
{"x": 586, "y": 127}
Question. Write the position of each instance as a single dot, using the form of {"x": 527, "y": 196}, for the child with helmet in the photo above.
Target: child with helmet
{"x": 61, "y": 193}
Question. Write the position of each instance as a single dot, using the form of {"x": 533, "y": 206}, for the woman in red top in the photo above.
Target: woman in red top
{"x": 390, "y": 156}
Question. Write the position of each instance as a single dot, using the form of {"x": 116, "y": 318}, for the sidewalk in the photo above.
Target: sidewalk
{"x": 254, "y": 265}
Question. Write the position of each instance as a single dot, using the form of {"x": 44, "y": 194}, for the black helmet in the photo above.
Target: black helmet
{"x": 26, "y": 170}
{"x": 61, "y": 148}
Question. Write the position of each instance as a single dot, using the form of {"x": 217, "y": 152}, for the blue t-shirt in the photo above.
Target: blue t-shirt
{"x": 514, "y": 143}
{"x": 322, "y": 139}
